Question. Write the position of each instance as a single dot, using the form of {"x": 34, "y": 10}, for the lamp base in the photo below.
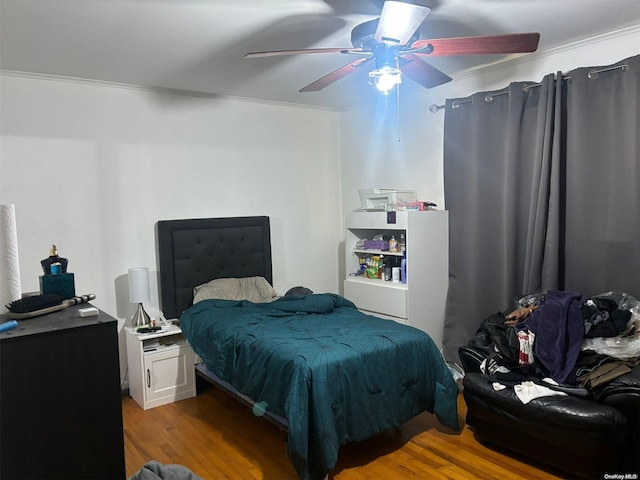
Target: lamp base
{"x": 140, "y": 318}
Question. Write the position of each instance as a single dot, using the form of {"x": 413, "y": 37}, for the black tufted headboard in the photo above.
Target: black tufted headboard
{"x": 193, "y": 252}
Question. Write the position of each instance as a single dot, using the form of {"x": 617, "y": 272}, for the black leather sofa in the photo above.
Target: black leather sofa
{"x": 593, "y": 437}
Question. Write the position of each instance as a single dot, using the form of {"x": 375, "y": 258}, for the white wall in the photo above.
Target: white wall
{"x": 378, "y": 150}
{"x": 92, "y": 168}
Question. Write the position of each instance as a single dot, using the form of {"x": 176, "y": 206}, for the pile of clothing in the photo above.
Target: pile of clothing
{"x": 559, "y": 339}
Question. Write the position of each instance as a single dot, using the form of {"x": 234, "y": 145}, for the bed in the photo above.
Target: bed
{"x": 312, "y": 364}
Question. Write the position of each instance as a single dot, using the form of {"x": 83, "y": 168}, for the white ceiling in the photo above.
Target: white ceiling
{"x": 198, "y": 45}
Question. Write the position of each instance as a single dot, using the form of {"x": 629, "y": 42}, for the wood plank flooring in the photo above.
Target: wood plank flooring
{"x": 216, "y": 437}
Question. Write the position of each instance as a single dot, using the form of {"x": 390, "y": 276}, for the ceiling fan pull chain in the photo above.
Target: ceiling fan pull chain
{"x": 398, "y": 110}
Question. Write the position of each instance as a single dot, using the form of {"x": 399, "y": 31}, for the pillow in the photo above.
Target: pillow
{"x": 254, "y": 289}
{"x": 298, "y": 292}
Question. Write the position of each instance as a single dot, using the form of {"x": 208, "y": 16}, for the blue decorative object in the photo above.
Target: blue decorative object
{"x": 59, "y": 284}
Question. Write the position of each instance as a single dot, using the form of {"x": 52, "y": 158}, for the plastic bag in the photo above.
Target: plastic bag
{"x": 624, "y": 302}
{"x": 616, "y": 347}
{"x": 622, "y": 346}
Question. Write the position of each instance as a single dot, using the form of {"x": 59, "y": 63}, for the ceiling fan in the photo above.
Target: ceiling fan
{"x": 393, "y": 46}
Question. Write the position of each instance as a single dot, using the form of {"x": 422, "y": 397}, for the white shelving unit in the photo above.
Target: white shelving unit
{"x": 160, "y": 367}
{"x": 421, "y": 301}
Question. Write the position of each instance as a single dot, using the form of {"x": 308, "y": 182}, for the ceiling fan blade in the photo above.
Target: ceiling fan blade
{"x": 421, "y": 72}
{"x": 277, "y": 53}
{"x": 498, "y": 44}
{"x": 399, "y": 21}
{"x": 335, "y": 75}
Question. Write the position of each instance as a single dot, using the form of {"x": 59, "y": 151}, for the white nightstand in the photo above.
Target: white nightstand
{"x": 160, "y": 367}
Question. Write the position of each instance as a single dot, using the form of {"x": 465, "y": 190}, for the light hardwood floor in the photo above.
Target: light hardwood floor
{"x": 216, "y": 437}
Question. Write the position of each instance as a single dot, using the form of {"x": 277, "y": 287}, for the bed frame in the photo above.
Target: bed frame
{"x": 194, "y": 251}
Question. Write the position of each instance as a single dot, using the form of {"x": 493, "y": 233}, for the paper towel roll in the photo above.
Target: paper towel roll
{"x": 9, "y": 266}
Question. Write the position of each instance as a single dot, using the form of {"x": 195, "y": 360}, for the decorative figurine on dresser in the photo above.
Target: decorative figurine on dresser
{"x": 56, "y": 280}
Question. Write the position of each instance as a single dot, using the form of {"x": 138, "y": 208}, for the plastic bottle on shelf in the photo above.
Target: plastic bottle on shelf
{"x": 387, "y": 268}
{"x": 393, "y": 244}
{"x": 403, "y": 268}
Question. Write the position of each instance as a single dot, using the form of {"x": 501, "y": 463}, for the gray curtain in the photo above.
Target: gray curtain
{"x": 534, "y": 177}
{"x": 603, "y": 179}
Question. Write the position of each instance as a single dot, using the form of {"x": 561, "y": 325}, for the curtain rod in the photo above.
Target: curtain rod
{"x": 489, "y": 96}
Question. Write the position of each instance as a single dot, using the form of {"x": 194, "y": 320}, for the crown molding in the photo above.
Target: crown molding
{"x": 155, "y": 90}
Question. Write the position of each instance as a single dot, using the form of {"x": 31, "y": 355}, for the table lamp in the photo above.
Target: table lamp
{"x": 139, "y": 292}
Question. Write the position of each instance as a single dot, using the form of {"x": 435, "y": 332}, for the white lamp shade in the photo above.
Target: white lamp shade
{"x": 139, "y": 291}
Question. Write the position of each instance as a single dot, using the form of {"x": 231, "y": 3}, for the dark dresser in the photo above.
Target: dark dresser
{"x": 60, "y": 400}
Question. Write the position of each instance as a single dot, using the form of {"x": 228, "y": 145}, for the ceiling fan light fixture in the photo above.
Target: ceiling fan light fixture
{"x": 387, "y": 73}
{"x": 385, "y": 78}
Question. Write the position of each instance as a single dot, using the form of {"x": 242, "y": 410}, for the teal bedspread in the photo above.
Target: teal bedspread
{"x": 336, "y": 374}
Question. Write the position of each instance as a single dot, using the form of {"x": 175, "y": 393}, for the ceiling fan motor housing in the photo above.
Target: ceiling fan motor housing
{"x": 363, "y": 35}
{"x": 385, "y": 56}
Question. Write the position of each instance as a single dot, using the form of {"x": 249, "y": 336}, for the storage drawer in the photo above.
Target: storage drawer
{"x": 377, "y": 296}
